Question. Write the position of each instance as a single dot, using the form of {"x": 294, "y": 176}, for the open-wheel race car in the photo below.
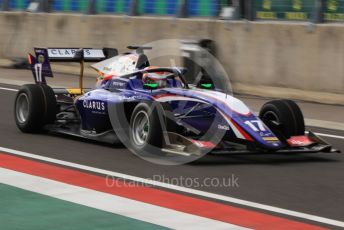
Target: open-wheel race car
{"x": 155, "y": 106}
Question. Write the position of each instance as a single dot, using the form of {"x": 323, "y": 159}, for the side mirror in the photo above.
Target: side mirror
{"x": 150, "y": 86}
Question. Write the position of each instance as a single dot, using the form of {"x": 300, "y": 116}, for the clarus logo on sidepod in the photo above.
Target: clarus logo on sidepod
{"x": 95, "y": 105}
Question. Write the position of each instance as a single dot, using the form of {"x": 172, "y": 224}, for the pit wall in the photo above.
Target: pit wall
{"x": 277, "y": 56}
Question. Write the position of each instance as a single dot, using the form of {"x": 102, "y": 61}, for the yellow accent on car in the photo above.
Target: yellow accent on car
{"x": 75, "y": 91}
{"x": 270, "y": 138}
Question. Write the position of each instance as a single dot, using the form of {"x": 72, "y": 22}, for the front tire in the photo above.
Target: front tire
{"x": 285, "y": 116}
{"x": 147, "y": 125}
{"x": 35, "y": 106}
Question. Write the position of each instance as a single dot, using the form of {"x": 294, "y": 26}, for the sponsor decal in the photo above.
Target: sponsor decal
{"x": 118, "y": 83}
{"x": 223, "y": 127}
{"x": 265, "y": 134}
{"x": 40, "y": 58}
{"x": 130, "y": 98}
{"x": 62, "y": 52}
{"x": 204, "y": 144}
{"x": 69, "y": 53}
{"x": 94, "y": 105}
{"x": 107, "y": 68}
{"x": 39, "y": 51}
{"x": 299, "y": 141}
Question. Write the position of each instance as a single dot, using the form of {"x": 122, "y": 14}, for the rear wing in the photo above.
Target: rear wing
{"x": 77, "y": 54}
{"x": 40, "y": 63}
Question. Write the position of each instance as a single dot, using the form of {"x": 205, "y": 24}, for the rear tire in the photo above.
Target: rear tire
{"x": 286, "y": 114}
{"x": 35, "y": 106}
{"x": 50, "y": 104}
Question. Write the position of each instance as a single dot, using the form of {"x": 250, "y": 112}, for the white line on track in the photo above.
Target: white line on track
{"x": 9, "y": 89}
{"x": 112, "y": 203}
{"x": 329, "y": 135}
{"x": 180, "y": 188}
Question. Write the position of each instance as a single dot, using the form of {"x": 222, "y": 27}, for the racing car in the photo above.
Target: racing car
{"x": 150, "y": 107}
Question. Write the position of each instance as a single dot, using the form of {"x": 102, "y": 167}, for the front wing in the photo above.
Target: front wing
{"x": 185, "y": 146}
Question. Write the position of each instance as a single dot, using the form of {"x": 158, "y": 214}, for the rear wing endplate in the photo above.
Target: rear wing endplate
{"x": 40, "y": 63}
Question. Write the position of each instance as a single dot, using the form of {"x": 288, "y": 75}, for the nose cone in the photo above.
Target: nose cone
{"x": 243, "y": 122}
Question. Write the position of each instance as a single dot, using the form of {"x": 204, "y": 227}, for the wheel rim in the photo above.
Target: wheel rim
{"x": 272, "y": 116}
{"x": 140, "y": 128}
{"x": 22, "y": 108}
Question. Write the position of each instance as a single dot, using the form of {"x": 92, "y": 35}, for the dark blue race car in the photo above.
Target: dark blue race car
{"x": 149, "y": 108}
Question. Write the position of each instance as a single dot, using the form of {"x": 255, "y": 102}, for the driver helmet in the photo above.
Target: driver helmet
{"x": 158, "y": 78}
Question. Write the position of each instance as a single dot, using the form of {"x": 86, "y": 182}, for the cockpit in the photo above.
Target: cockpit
{"x": 150, "y": 78}
{"x": 133, "y": 71}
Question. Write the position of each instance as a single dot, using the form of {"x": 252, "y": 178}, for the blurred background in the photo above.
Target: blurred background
{"x": 277, "y": 48}
{"x": 315, "y": 10}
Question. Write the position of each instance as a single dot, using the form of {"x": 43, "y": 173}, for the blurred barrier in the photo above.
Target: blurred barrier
{"x": 270, "y": 54}
{"x": 182, "y": 11}
{"x": 200, "y": 8}
{"x": 334, "y": 10}
{"x": 296, "y": 10}
{"x": 91, "y": 8}
{"x": 302, "y": 10}
{"x": 285, "y": 9}
{"x": 134, "y": 8}
{"x": 4, "y": 5}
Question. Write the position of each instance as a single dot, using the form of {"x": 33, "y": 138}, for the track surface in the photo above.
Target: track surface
{"x": 312, "y": 184}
